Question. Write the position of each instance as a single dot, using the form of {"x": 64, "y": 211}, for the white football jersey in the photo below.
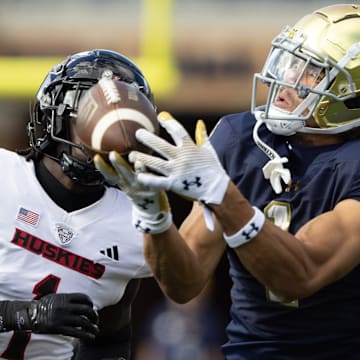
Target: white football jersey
{"x": 43, "y": 248}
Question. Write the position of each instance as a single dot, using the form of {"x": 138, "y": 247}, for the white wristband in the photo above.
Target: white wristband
{"x": 151, "y": 224}
{"x": 248, "y": 232}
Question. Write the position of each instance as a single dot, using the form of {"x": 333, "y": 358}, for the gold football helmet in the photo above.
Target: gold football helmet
{"x": 324, "y": 45}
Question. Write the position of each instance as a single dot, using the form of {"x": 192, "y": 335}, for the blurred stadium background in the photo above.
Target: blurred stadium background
{"x": 198, "y": 55}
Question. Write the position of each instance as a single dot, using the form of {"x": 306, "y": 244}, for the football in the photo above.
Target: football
{"x": 110, "y": 112}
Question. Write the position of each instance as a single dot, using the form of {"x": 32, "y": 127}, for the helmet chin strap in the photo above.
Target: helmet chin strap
{"x": 279, "y": 123}
{"x": 79, "y": 171}
{"x": 273, "y": 170}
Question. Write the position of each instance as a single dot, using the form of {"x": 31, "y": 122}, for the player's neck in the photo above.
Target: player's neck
{"x": 54, "y": 168}
{"x": 307, "y": 139}
{"x": 316, "y": 139}
{"x": 68, "y": 198}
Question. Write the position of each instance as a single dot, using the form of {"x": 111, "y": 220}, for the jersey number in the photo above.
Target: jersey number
{"x": 279, "y": 213}
{"x": 19, "y": 339}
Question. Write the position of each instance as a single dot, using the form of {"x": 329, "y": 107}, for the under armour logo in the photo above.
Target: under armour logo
{"x": 195, "y": 182}
{"x": 139, "y": 227}
{"x": 145, "y": 204}
{"x": 247, "y": 234}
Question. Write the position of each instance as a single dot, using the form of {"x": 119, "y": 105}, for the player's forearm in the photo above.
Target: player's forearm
{"x": 275, "y": 257}
{"x": 174, "y": 265}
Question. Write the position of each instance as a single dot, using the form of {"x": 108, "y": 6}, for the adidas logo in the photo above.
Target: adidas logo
{"x": 112, "y": 253}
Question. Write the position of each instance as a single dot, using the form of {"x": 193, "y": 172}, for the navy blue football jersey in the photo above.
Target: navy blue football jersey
{"x": 325, "y": 325}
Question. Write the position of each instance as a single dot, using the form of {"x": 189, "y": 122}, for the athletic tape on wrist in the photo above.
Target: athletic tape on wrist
{"x": 248, "y": 232}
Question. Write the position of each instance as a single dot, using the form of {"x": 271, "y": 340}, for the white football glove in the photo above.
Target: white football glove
{"x": 151, "y": 210}
{"x": 189, "y": 169}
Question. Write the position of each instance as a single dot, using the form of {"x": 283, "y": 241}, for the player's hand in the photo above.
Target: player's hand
{"x": 66, "y": 314}
{"x": 189, "y": 169}
{"x": 151, "y": 210}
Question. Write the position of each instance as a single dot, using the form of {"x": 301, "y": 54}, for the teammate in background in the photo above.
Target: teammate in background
{"x": 66, "y": 237}
{"x": 290, "y": 225}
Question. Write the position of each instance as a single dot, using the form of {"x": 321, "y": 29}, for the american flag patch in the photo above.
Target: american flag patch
{"x": 28, "y": 216}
